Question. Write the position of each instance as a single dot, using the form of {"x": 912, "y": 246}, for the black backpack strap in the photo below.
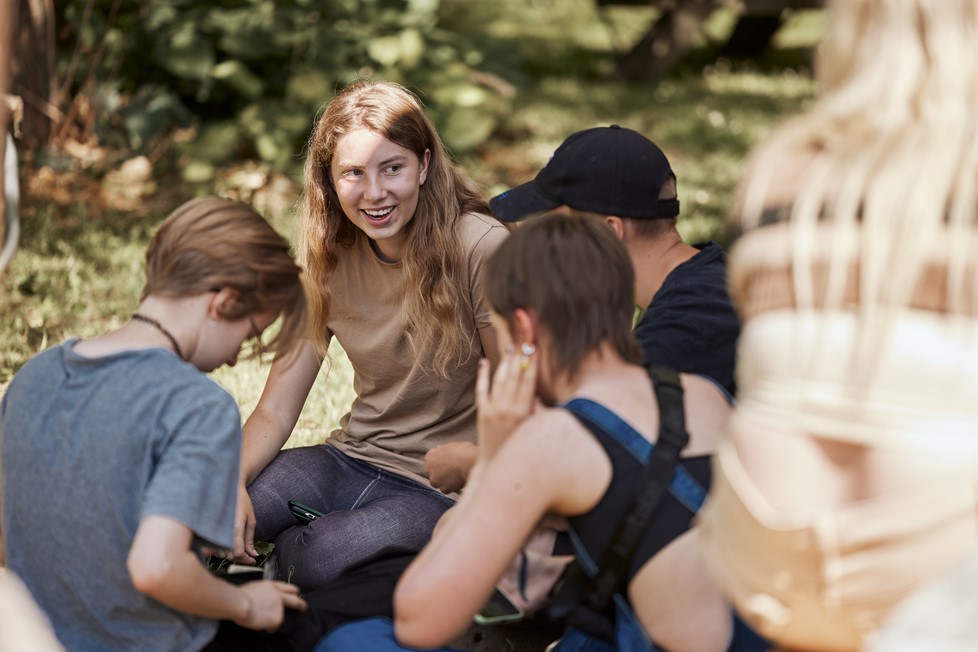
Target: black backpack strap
{"x": 586, "y": 601}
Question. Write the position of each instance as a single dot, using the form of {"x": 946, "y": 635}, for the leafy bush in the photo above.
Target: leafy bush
{"x": 249, "y": 75}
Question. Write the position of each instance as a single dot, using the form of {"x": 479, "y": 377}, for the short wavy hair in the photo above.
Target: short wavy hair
{"x": 573, "y": 273}
{"x": 210, "y": 243}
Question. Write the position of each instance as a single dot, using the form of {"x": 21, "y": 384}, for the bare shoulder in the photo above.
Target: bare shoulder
{"x": 707, "y": 410}
{"x": 548, "y": 430}
{"x": 563, "y": 459}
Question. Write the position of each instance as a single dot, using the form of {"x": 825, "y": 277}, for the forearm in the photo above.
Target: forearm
{"x": 278, "y": 409}
{"x": 431, "y": 607}
{"x": 448, "y": 466}
{"x": 263, "y": 438}
{"x": 162, "y": 565}
{"x": 181, "y": 582}
{"x": 502, "y": 503}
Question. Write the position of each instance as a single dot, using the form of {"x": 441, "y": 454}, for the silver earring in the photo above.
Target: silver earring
{"x": 527, "y": 349}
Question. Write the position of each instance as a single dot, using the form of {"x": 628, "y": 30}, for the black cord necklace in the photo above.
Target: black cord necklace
{"x": 158, "y": 326}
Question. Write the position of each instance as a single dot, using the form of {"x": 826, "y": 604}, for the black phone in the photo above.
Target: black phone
{"x": 499, "y": 609}
{"x": 304, "y": 513}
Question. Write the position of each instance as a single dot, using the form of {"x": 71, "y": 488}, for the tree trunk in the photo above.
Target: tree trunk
{"x": 34, "y": 74}
{"x": 669, "y": 38}
{"x": 8, "y": 18}
{"x": 752, "y": 35}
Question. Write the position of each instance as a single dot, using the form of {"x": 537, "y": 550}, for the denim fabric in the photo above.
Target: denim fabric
{"x": 629, "y": 635}
{"x": 374, "y": 634}
{"x": 377, "y": 635}
{"x": 367, "y": 510}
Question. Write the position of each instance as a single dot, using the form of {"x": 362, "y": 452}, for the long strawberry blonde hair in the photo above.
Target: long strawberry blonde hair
{"x": 886, "y": 161}
{"x": 437, "y": 302}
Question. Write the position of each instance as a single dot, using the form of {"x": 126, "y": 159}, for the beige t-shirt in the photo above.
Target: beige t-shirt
{"x": 401, "y": 409}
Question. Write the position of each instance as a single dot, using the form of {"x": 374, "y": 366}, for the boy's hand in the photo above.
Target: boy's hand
{"x": 267, "y": 601}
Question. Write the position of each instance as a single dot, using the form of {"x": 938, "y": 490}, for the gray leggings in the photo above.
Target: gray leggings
{"x": 367, "y": 511}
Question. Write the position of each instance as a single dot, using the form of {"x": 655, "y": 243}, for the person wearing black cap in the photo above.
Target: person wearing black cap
{"x": 622, "y": 177}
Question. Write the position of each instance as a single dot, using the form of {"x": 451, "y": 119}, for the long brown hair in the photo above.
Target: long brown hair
{"x": 436, "y": 297}
{"x": 210, "y": 243}
{"x": 576, "y": 277}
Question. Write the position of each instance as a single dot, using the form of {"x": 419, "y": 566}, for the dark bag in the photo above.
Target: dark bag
{"x": 364, "y": 591}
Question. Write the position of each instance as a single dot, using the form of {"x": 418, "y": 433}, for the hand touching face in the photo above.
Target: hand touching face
{"x": 511, "y": 396}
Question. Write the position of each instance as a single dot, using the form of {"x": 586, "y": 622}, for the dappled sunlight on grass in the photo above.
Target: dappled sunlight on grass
{"x": 79, "y": 269}
{"x": 329, "y": 399}
{"x": 706, "y": 124}
{"x": 75, "y": 275}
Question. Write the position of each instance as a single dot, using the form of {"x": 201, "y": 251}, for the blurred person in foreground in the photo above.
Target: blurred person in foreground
{"x": 120, "y": 457}
{"x": 22, "y": 624}
{"x": 848, "y": 474}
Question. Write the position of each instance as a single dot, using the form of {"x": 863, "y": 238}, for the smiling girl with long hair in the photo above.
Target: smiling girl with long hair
{"x": 393, "y": 236}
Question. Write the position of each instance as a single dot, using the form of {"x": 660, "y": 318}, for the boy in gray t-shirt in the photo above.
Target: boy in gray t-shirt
{"x": 118, "y": 457}
{"x": 75, "y": 495}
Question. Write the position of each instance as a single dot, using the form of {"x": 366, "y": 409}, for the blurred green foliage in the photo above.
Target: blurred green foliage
{"x": 250, "y": 75}
{"x": 505, "y": 81}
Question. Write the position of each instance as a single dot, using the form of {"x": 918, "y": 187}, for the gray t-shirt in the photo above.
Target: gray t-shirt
{"x": 90, "y": 446}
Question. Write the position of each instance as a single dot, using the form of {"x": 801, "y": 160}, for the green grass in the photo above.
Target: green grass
{"x": 329, "y": 398}
{"x": 78, "y": 275}
{"x": 79, "y": 269}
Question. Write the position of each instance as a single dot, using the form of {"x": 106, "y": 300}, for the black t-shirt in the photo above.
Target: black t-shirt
{"x": 691, "y": 325}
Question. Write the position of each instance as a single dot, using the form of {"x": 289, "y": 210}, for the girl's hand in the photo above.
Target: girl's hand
{"x": 510, "y": 399}
{"x": 448, "y": 465}
{"x": 244, "y": 530}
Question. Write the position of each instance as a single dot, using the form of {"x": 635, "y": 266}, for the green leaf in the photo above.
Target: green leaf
{"x": 187, "y": 53}
{"x": 309, "y": 86}
{"x": 467, "y": 127}
{"x": 460, "y": 94}
{"x": 217, "y": 142}
{"x": 270, "y": 147}
{"x": 412, "y": 48}
{"x": 198, "y": 172}
{"x": 239, "y": 77}
{"x": 385, "y": 50}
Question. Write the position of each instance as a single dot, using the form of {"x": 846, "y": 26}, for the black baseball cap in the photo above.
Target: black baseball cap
{"x": 608, "y": 170}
